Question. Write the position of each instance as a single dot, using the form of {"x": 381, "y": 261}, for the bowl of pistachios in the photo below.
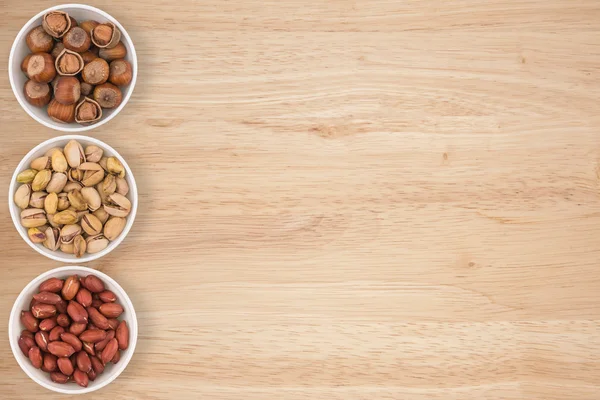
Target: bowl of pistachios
{"x": 73, "y": 198}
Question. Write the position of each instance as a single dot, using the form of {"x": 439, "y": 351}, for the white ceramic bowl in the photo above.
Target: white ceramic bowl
{"x": 38, "y": 151}
{"x": 19, "y": 50}
{"x": 112, "y": 371}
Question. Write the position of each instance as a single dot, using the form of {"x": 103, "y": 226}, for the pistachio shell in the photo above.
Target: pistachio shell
{"x": 37, "y": 199}
{"x": 57, "y": 182}
{"x": 93, "y": 153}
{"x": 67, "y": 248}
{"x": 33, "y": 218}
{"x": 122, "y": 186}
{"x": 72, "y": 186}
{"x": 68, "y": 233}
{"x": 51, "y": 151}
{"x": 79, "y": 246}
{"x": 22, "y": 196}
{"x": 113, "y": 228}
{"x": 52, "y": 241}
{"x": 59, "y": 162}
{"x": 36, "y": 235}
{"x": 101, "y": 214}
{"x": 63, "y": 202}
{"x": 118, "y": 205}
{"x": 81, "y": 214}
{"x": 96, "y": 243}
{"x": 109, "y": 184}
{"x": 91, "y": 224}
{"x": 51, "y": 221}
{"x": 41, "y": 180}
{"x": 103, "y": 163}
{"x": 65, "y": 217}
{"x": 77, "y": 201}
{"x": 114, "y": 166}
{"x": 75, "y": 175}
{"x": 92, "y": 198}
{"x": 41, "y": 163}
{"x": 51, "y": 203}
{"x": 26, "y": 176}
{"x": 74, "y": 154}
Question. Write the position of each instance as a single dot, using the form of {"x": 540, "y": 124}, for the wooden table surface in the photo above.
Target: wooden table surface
{"x": 368, "y": 199}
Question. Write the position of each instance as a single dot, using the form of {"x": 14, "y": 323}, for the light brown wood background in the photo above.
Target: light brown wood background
{"x": 369, "y": 199}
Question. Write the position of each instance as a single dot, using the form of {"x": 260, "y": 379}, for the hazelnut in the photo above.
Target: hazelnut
{"x": 87, "y": 112}
{"x": 108, "y": 95}
{"x": 69, "y": 63}
{"x": 77, "y": 40}
{"x": 95, "y": 72}
{"x": 25, "y": 63}
{"x": 120, "y": 72}
{"x": 88, "y": 56}
{"x": 88, "y": 26}
{"x": 36, "y": 93}
{"x": 119, "y": 51}
{"x": 67, "y": 90}
{"x": 56, "y": 23}
{"x": 106, "y": 35}
{"x": 38, "y": 40}
{"x": 86, "y": 88}
{"x": 61, "y": 112}
{"x": 40, "y": 67}
{"x": 58, "y": 48}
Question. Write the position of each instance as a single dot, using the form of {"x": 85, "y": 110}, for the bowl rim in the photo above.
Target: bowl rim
{"x": 133, "y": 329}
{"x": 130, "y": 218}
{"x": 64, "y": 127}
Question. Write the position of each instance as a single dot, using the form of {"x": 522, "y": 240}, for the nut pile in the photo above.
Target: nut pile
{"x": 69, "y": 70}
{"x": 71, "y": 329}
{"x": 73, "y": 199}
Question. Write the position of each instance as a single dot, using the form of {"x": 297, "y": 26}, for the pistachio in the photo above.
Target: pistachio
{"x": 122, "y": 186}
{"x": 103, "y": 196}
{"x": 51, "y": 221}
{"x": 103, "y": 162}
{"x": 22, "y": 196}
{"x": 81, "y": 214}
{"x": 77, "y": 201}
{"x": 75, "y": 175}
{"x": 51, "y": 203}
{"x": 118, "y": 205}
{"x": 52, "y": 241}
{"x": 37, "y": 199}
{"x": 41, "y": 163}
{"x": 65, "y": 217}
{"x": 79, "y": 246}
{"x": 72, "y": 186}
{"x": 27, "y": 176}
{"x": 36, "y": 235}
{"x": 57, "y": 182}
{"x": 74, "y": 154}
{"x": 93, "y": 173}
{"x": 41, "y": 180}
{"x": 92, "y": 198}
{"x": 63, "y": 202}
{"x": 93, "y": 153}
{"x": 51, "y": 151}
{"x": 96, "y": 243}
{"x": 91, "y": 224}
{"x": 33, "y": 218}
{"x": 109, "y": 184}
{"x": 101, "y": 214}
{"x": 68, "y": 233}
{"x": 59, "y": 162}
{"x": 114, "y": 166}
{"x": 113, "y": 228}
{"x": 67, "y": 248}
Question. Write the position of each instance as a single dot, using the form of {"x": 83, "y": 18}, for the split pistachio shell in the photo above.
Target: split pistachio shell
{"x": 33, "y": 218}
{"x": 63, "y": 202}
{"x": 92, "y": 198}
{"x": 51, "y": 203}
{"x": 36, "y": 235}
{"x": 67, "y": 248}
{"x": 74, "y": 154}
{"x": 81, "y": 214}
{"x": 41, "y": 163}
{"x": 92, "y": 173}
{"x": 22, "y": 196}
{"x": 109, "y": 184}
{"x": 70, "y": 186}
{"x": 103, "y": 162}
{"x": 41, "y": 180}
{"x": 118, "y": 205}
{"x": 79, "y": 246}
{"x": 93, "y": 153}
{"x": 91, "y": 224}
{"x": 52, "y": 241}
{"x": 101, "y": 214}
{"x": 65, "y": 217}
{"x": 122, "y": 186}
{"x": 77, "y": 201}
{"x": 114, "y": 166}
{"x": 103, "y": 196}
{"x": 96, "y": 243}
{"x": 27, "y": 176}
{"x": 51, "y": 221}
{"x": 59, "y": 162}
{"x": 68, "y": 233}
{"x": 37, "y": 199}
{"x": 75, "y": 175}
{"x": 113, "y": 228}
{"x": 57, "y": 183}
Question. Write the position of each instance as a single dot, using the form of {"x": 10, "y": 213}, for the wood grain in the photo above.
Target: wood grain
{"x": 368, "y": 199}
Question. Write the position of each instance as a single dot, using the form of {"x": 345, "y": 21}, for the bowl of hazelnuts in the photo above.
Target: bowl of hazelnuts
{"x": 72, "y": 67}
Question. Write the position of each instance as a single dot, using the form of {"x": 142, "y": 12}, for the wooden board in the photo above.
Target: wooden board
{"x": 367, "y": 199}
